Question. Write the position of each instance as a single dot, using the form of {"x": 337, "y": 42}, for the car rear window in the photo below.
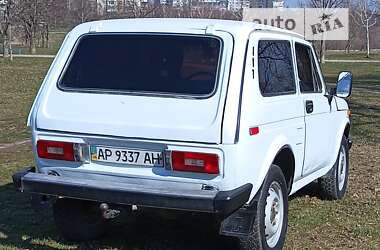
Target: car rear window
{"x": 166, "y": 64}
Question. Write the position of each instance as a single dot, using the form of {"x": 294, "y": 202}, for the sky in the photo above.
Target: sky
{"x": 292, "y": 3}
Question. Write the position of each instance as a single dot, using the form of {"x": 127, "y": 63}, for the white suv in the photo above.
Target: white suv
{"x": 220, "y": 117}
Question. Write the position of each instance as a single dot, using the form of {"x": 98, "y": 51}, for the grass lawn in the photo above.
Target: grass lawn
{"x": 365, "y": 102}
{"x": 55, "y": 41}
{"x": 356, "y": 55}
{"x": 313, "y": 223}
{"x": 19, "y": 82}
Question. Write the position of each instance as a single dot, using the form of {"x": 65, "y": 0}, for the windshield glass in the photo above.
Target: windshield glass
{"x": 145, "y": 63}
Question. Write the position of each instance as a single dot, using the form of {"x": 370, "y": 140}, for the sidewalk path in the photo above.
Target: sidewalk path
{"x": 354, "y": 61}
{"x": 34, "y": 56}
{"x": 9, "y": 145}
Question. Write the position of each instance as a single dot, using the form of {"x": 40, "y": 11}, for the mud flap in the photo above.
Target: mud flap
{"x": 239, "y": 224}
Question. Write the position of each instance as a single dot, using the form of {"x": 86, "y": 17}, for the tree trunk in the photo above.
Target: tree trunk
{"x": 82, "y": 11}
{"x": 32, "y": 45}
{"x": 33, "y": 30}
{"x": 367, "y": 37}
{"x": 10, "y": 42}
{"x": 323, "y": 48}
{"x": 347, "y": 48}
{"x": 323, "y": 51}
{"x": 47, "y": 36}
{"x": 6, "y": 40}
{"x": 5, "y": 46}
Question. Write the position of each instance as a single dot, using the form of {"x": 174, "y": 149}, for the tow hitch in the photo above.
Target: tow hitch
{"x": 108, "y": 213}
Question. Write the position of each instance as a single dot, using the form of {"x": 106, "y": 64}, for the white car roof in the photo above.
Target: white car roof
{"x": 177, "y": 25}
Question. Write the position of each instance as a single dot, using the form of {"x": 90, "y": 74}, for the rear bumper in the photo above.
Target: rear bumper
{"x": 142, "y": 194}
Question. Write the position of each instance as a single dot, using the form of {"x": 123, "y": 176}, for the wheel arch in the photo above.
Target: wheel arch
{"x": 281, "y": 154}
{"x": 286, "y": 161}
{"x": 344, "y": 130}
{"x": 347, "y": 130}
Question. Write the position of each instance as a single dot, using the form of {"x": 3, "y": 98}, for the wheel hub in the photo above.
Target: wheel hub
{"x": 274, "y": 213}
{"x": 342, "y": 168}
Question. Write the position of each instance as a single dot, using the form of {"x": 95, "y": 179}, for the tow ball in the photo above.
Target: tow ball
{"x": 107, "y": 212}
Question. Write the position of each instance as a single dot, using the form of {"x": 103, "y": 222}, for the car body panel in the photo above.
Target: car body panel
{"x": 218, "y": 125}
{"x": 136, "y": 116}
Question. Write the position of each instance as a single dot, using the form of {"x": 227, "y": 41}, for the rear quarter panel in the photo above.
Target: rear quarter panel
{"x": 280, "y": 120}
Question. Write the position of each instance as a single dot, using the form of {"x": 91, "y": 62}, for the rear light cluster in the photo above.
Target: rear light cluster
{"x": 194, "y": 162}
{"x": 177, "y": 160}
{"x": 57, "y": 150}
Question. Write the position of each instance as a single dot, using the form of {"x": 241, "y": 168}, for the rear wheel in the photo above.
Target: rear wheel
{"x": 271, "y": 220}
{"x": 78, "y": 220}
{"x": 333, "y": 185}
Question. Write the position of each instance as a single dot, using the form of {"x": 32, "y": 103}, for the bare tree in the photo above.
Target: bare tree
{"x": 83, "y": 10}
{"x": 353, "y": 34}
{"x": 324, "y": 4}
{"x": 136, "y": 9}
{"x": 6, "y": 19}
{"x": 352, "y": 31}
{"x": 31, "y": 14}
{"x": 56, "y": 13}
{"x": 366, "y": 17}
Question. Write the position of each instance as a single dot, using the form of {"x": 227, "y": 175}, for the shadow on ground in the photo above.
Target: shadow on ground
{"x": 19, "y": 224}
{"x": 22, "y": 227}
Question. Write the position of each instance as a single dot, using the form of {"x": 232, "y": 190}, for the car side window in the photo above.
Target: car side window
{"x": 276, "y": 74}
{"x": 307, "y": 70}
{"x": 316, "y": 75}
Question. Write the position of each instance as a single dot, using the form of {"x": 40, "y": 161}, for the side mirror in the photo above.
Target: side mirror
{"x": 344, "y": 85}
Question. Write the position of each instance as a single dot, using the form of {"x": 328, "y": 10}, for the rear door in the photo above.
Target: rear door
{"x": 316, "y": 108}
{"x": 271, "y": 101}
{"x": 144, "y": 85}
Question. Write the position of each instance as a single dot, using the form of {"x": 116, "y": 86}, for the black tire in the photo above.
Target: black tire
{"x": 257, "y": 238}
{"x": 329, "y": 183}
{"x": 78, "y": 220}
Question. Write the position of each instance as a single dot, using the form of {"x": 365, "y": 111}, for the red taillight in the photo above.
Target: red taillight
{"x": 56, "y": 150}
{"x": 195, "y": 162}
{"x": 254, "y": 131}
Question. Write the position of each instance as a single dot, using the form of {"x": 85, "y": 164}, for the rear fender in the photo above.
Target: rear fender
{"x": 277, "y": 145}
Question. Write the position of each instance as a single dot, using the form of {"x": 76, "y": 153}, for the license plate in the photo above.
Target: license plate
{"x": 126, "y": 156}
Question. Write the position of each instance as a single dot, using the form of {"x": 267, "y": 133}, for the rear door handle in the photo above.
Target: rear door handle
{"x": 309, "y": 106}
